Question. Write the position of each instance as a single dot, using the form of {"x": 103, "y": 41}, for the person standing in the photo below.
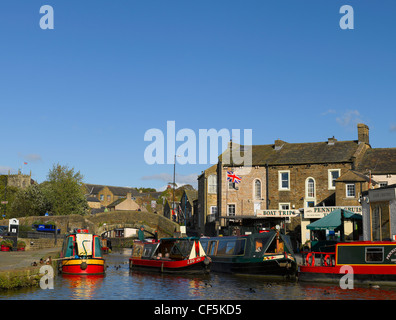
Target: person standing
{"x": 141, "y": 233}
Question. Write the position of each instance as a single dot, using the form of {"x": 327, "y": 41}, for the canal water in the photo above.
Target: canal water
{"x": 120, "y": 284}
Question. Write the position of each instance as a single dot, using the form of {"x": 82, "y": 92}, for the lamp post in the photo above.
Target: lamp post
{"x": 174, "y": 181}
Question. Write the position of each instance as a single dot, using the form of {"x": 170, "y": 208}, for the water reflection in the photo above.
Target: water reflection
{"x": 82, "y": 287}
{"x": 121, "y": 284}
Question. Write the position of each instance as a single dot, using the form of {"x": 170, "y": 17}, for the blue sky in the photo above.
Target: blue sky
{"x": 85, "y": 93}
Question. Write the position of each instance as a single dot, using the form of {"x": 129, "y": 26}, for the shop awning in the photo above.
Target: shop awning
{"x": 333, "y": 220}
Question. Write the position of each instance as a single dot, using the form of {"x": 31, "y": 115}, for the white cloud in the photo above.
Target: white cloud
{"x": 349, "y": 118}
{"x": 30, "y": 157}
{"x": 5, "y": 169}
{"x": 329, "y": 111}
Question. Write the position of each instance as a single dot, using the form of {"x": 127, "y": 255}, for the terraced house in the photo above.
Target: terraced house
{"x": 285, "y": 179}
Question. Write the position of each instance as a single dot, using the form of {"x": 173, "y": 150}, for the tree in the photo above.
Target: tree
{"x": 30, "y": 201}
{"x": 64, "y": 191}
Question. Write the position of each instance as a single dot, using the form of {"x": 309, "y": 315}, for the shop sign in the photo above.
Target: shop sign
{"x": 277, "y": 213}
{"x": 320, "y": 212}
{"x": 382, "y": 194}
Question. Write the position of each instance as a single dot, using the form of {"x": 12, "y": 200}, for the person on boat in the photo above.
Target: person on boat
{"x": 141, "y": 233}
{"x": 156, "y": 235}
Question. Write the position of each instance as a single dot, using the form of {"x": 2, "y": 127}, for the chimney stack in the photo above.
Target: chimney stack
{"x": 363, "y": 133}
{"x": 279, "y": 144}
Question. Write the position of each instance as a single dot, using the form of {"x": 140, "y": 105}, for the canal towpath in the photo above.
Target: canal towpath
{"x": 16, "y": 269}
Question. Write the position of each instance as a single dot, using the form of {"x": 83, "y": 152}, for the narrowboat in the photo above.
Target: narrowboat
{"x": 82, "y": 254}
{"x": 170, "y": 255}
{"x": 370, "y": 261}
{"x": 267, "y": 253}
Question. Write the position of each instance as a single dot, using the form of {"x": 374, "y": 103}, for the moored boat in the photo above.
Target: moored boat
{"x": 368, "y": 262}
{"x": 268, "y": 254}
{"x": 82, "y": 254}
{"x": 170, "y": 255}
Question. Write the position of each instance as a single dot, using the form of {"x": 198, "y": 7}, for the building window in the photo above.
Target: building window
{"x": 380, "y": 221}
{"x": 213, "y": 209}
{"x": 212, "y": 184}
{"x": 310, "y": 204}
{"x": 284, "y": 180}
{"x": 310, "y": 188}
{"x": 108, "y": 197}
{"x": 284, "y": 206}
{"x": 102, "y": 197}
{"x": 334, "y": 174}
{"x": 231, "y": 185}
{"x": 230, "y": 209}
{"x": 257, "y": 189}
{"x": 350, "y": 190}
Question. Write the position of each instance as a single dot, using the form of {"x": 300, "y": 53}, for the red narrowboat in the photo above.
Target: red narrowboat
{"x": 82, "y": 254}
{"x": 170, "y": 255}
{"x": 368, "y": 262}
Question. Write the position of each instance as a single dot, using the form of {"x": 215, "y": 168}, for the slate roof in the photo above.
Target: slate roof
{"x": 191, "y": 195}
{"x": 379, "y": 161}
{"x": 301, "y": 153}
{"x": 117, "y": 191}
{"x": 354, "y": 176}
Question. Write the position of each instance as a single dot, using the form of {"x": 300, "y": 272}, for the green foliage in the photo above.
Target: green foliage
{"x": 31, "y": 201}
{"x": 61, "y": 194}
{"x": 64, "y": 191}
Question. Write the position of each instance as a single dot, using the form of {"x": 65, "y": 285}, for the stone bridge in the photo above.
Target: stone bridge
{"x": 106, "y": 221}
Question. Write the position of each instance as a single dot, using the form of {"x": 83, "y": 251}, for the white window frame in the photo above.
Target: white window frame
{"x": 228, "y": 211}
{"x": 280, "y": 188}
{"x": 346, "y": 190}
{"x": 211, "y": 209}
{"x": 255, "y": 191}
{"x": 330, "y": 178}
{"x": 284, "y": 204}
{"x": 212, "y": 184}
{"x": 307, "y": 196}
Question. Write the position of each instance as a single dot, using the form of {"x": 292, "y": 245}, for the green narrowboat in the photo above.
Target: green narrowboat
{"x": 366, "y": 261}
{"x": 268, "y": 253}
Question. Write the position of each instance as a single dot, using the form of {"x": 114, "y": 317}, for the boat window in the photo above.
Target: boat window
{"x": 258, "y": 245}
{"x": 226, "y": 247}
{"x": 212, "y": 248}
{"x": 182, "y": 248}
{"x": 240, "y": 247}
{"x": 146, "y": 252}
{"x": 204, "y": 245}
{"x": 98, "y": 250}
{"x": 375, "y": 254}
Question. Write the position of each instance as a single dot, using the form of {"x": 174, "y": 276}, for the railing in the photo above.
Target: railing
{"x": 322, "y": 259}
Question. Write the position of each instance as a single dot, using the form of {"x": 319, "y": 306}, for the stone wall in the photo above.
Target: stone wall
{"x": 101, "y": 221}
{"x": 296, "y": 196}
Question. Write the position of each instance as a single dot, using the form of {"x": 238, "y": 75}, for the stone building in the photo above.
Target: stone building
{"x": 124, "y": 204}
{"x": 379, "y": 213}
{"x": 108, "y": 194}
{"x": 187, "y": 210}
{"x": 207, "y": 200}
{"x": 19, "y": 180}
{"x": 286, "y": 178}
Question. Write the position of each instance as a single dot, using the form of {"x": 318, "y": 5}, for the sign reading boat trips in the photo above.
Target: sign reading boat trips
{"x": 320, "y": 212}
{"x": 277, "y": 213}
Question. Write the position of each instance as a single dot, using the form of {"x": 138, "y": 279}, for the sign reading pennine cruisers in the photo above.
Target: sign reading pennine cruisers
{"x": 320, "y": 212}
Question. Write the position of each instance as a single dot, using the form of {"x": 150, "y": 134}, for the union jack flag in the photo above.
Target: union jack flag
{"x": 232, "y": 177}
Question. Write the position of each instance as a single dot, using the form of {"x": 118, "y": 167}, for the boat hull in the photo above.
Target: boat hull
{"x": 199, "y": 265}
{"x": 258, "y": 267}
{"x": 361, "y": 274}
{"x": 92, "y": 266}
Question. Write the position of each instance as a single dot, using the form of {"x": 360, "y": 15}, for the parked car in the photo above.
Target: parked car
{"x": 45, "y": 228}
